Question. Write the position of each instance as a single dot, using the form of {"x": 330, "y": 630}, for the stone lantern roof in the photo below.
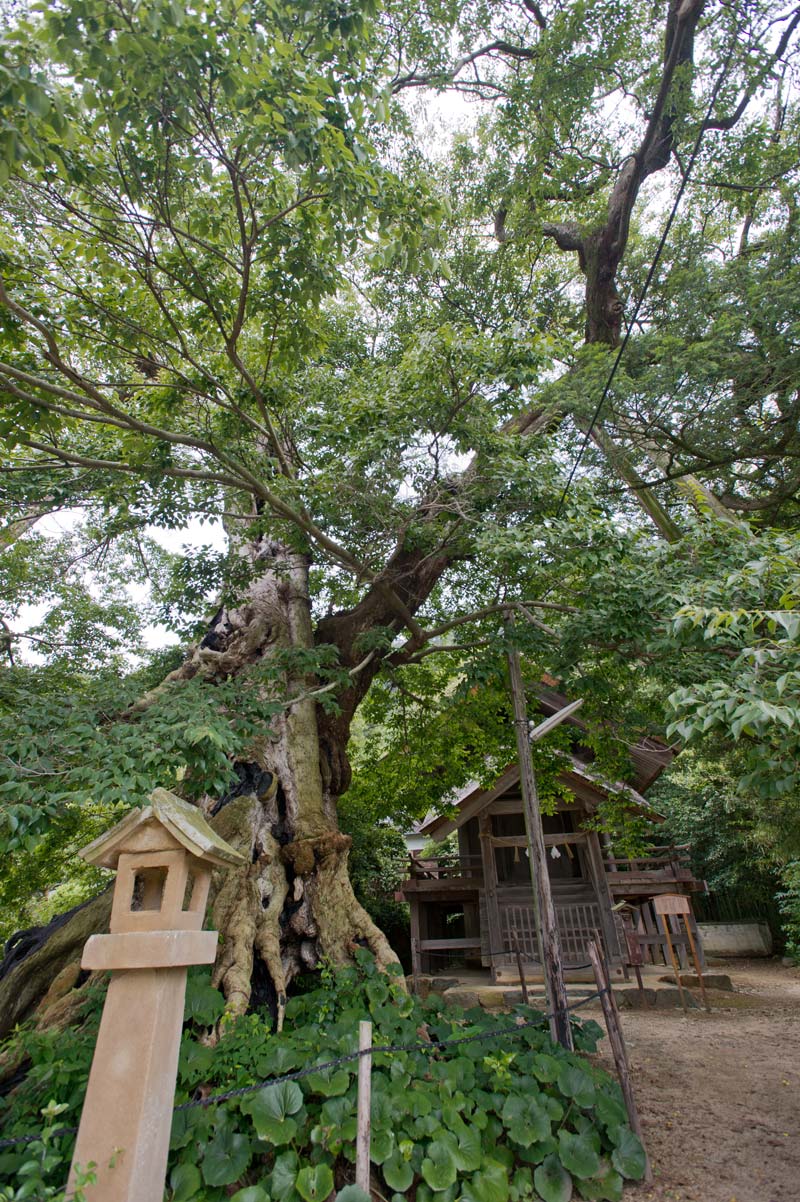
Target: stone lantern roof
{"x": 167, "y": 823}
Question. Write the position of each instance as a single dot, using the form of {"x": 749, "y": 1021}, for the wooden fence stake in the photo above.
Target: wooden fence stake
{"x": 522, "y": 980}
{"x": 696, "y": 959}
{"x": 364, "y": 1103}
{"x": 619, "y": 1051}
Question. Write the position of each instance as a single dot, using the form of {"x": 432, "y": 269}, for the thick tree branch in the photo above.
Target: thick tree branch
{"x": 566, "y": 234}
{"x": 432, "y": 79}
{"x": 600, "y": 250}
{"x": 538, "y": 15}
{"x": 75, "y": 459}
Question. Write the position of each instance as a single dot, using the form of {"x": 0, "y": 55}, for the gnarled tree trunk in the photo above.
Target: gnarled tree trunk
{"x": 291, "y": 905}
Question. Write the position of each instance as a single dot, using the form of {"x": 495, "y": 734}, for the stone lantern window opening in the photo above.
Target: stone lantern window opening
{"x": 188, "y": 893}
{"x": 195, "y": 895}
{"x": 148, "y": 888}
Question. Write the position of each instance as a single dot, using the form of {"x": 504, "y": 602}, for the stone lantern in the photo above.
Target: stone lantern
{"x": 163, "y": 855}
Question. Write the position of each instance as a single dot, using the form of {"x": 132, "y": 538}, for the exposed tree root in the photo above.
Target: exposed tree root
{"x": 341, "y": 920}
{"x": 268, "y": 934}
{"x": 234, "y": 915}
{"x": 292, "y": 906}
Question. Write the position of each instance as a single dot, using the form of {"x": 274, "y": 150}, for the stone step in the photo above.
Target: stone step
{"x": 493, "y": 997}
{"x": 711, "y": 980}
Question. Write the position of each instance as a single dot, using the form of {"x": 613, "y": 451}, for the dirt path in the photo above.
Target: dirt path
{"x": 719, "y": 1093}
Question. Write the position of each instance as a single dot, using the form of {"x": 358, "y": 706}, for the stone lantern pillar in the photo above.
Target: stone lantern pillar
{"x": 163, "y": 855}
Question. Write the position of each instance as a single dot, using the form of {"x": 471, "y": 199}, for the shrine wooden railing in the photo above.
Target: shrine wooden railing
{"x": 673, "y": 857}
{"x": 659, "y": 869}
{"x": 450, "y": 867}
{"x": 669, "y": 861}
{"x": 577, "y": 923}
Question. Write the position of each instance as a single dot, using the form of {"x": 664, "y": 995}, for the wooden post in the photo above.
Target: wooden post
{"x": 635, "y": 957}
{"x": 618, "y": 1049}
{"x": 416, "y": 965}
{"x": 495, "y": 931}
{"x": 696, "y": 959}
{"x": 676, "y": 904}
{"x": 676, "y": 968}
{"x": 520, "y": 969}
{"x": 364, "y": 1104}
{"x": 606, "y": 902}
{"x": 544, "y": 910}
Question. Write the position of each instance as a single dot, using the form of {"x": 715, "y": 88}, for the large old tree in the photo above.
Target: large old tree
{"x": 237, "y": 281}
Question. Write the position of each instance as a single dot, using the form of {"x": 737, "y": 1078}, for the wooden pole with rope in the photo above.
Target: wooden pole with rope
{"x": 544, "y": 910}
{"x": 617, "y": 1041}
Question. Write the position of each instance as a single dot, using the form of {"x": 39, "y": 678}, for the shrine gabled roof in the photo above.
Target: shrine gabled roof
{"x": 649, "y": 756}
{"x": 588, "y": 786}
{"x": 183, "y": 825}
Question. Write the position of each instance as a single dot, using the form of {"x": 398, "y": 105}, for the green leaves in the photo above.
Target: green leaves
{"x": 314, "y": 1183}
{"x": 331, "y": 1083}
{"x": 606, "y": 1185}
{"x": 185, "y": 1182}
{"x": 223, "y": 300}
{"x": 469, "y": 1152}
{"x": 575, "y": 1082}
{"x": 628, "y": 1156}
{"x": 204, "y": 1004}
{"x": 553, "y": 1183}
{"x": 526, "y": 1120}
{"x": 283, "y": 1176}
{"x": 439, "y": 1167}
{"x": 489, "y": 1185}
{"x": 226, "y": 1157}
{"x": 271, "y": 1110}
{"x": 610, "y": 1110}
{"x": 397, "y": 1173}
{"x": 289, "y": 1143}
{"x": 578, "y": 1153}
{"x": 749, "y": 620}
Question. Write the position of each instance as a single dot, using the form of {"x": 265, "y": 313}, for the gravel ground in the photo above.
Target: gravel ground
{"x": 719, "y": 1093}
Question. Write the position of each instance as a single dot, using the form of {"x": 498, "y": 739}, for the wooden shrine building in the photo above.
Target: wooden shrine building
{"x": 474, "y": 904}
